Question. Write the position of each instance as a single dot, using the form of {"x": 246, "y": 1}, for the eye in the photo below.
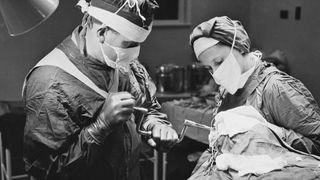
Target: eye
{"x": 101, "y": 31}
{"x": 217, "y": 61}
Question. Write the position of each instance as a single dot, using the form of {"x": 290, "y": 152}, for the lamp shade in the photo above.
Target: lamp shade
{"x": 21, "y": 16}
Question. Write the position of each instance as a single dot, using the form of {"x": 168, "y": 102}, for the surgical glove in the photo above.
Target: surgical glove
{"x": 164, "y": 137}
{"x": 116, "y": 110}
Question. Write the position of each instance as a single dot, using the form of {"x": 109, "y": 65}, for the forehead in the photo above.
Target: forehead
{"x": 120, "y": 40}
{"x": 117, "y": 34}
{"x": 114, "y": 34}
{"x": 214, "y": 52}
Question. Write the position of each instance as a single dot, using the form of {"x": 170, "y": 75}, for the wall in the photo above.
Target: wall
{"x": 171, "y": 44}
{"x": 300, "y": 39}
{"x": 19, "y": 54}
{"x": 165, "y": 44}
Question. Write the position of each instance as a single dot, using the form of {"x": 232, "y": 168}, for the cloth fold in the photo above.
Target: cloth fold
{"x": 239, "y": 120}
{"x": 249, "y": 164}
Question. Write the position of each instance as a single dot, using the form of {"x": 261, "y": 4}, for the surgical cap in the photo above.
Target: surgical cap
{"x": 131, "y": 18}
{"x": 221, "y": 29}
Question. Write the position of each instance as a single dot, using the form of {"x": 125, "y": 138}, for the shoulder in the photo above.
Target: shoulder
{"x": 41, "y": 77}
{"x": 278, "y": 84}
{"x": 282, "y": 82}
{"x": 140, "y": 71}
{"x": 52, "y": 80}
{"x": 281, "y": 86}
{"x": 276, "y": 80}
{"x": 46, "y": 75}
{"x": 138, "y": 68}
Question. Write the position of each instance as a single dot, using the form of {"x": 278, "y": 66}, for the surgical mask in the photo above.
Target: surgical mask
{"x": 123, "y": 59}
{"x": 245, "y": 76}
{"x": 229, "y": 72}
{"x": 124, "y": 56}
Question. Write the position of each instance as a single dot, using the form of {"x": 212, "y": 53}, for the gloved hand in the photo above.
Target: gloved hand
{"x": 164, "y": 136}
{"x": 116, "y": 110}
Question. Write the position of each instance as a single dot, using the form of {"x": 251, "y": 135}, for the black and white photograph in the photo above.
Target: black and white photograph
{"x": 159, "y": 90}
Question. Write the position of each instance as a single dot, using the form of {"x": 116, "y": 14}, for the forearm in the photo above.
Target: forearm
{"x": 292, "y": 107}
{"x": 98, "y": 131}
{"x": 154, "y": 117}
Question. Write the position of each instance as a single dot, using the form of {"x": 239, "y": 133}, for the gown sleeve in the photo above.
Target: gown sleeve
{"x": 149, "y": 89}
{"x": 55, "y": 147}
{"x": 292, "y": 106}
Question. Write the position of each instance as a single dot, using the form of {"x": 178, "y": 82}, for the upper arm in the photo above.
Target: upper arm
{"x": 150, "y": 102}
{"x": 292, "y": 106}
{"x": 48, "y": 121}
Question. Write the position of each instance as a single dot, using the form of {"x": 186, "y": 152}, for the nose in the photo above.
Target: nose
{"x": 214, "y": 68}
{"x": 210, "y": 71}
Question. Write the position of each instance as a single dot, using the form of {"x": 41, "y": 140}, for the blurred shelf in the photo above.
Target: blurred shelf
{"x": 163, "y": 97}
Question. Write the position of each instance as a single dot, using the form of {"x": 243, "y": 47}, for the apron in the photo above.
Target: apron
{"x": 58, "y": 59}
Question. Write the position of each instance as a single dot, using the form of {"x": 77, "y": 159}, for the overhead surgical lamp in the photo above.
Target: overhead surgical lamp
{"x": 21, "y": 16}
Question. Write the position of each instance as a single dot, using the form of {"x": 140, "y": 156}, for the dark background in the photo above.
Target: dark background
{"x": 299, "y": 39}
{"x": 167, "y": 10}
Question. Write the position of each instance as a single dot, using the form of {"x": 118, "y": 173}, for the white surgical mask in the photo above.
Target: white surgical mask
{"x": 228, "y": 73}
{"x": 245, "y": 76}
{"x": 124, "y": 56}
{"x": 123, "y": 59}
